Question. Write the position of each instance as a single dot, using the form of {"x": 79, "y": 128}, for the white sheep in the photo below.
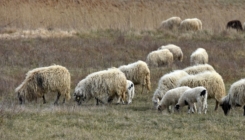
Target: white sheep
{"x": 167, "y": 82}
{"x": 170, "y": 23}
{"x": 43, "y": 80}
{"x": 137, "y": 72}
{"x": 212, "y": 81}
{"x": 199, "y": 68}
{"x": 235, "y": 97}
{"x": 130, "y": 91}
{"x": 170, "y": 99}
{"x": 194, "y": 95}
{"x": 199, "y": 56}
{"x": 193, "y": 24}
{"x": 160, "y": 58}
{"x": 111, "y": 83}
{"x": 175, "y": 50}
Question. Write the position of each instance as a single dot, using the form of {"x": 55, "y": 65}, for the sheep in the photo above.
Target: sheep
{"x": 175, "y": 50}
{"x": 111, "y": 82}
{"x": 130, "y": 91}
{"x": 170, "y": 99}
{"x": 212, "y": 81}
{"x": 235, "y": 24}
{"x": 198, "y": 69}
{"x": 170, "y": 23}
{"x": 167, "y": 82}
{"x": 160, "y": 58}
{"x": 194, "y": 95}
{"x": 139, "y": 73}
{"x": 193, "y": 24}
{"x": 199, "y": 56}
{"x": 235, "y": 97}
{"x": 42, "y": 80}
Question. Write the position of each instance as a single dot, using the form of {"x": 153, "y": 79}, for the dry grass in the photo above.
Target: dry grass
{"x": 125, "y": 38}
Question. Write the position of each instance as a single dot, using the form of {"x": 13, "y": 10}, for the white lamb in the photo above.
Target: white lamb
{"x": 193, "y": 24}
{"x": 199, "y": 56}
{"x": 160, "y": 58}
{"x": 175, "y": 50}
{"x": 130, "y": 91}
{"x": 170, "y": 23}
{"x": 195, "y": 95}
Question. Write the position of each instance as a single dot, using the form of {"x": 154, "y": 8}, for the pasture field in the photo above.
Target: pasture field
{"x": 108, "y": 36}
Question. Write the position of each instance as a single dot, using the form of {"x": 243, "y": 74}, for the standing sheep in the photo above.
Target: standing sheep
{"x": 235, "y": 24}
{"x": 200, "y": 56}
{"x": 42, "y": 80}
{"x": 212, "y": 81}
{"x": 195, "y": 95}
{"x": 198, "y": 69}
{"x": 130, "y": 91}
{"x": 175, "y": 50}
{"x": 167, "y": 82}
{"x": 170, "y": 99}
{"x": 160, "y": 58}
{"x": 170, "y": 23}
{"x": 111, "y": 82}
{"x": 137, "y": 72}
{"x": 193, "y": 24}
{"x": 235, "y": 97}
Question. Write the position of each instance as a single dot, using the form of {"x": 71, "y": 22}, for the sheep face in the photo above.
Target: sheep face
{"x": 79, "y": 96}
{"x": 226, "y": 107}
{"x": 161, "y": 107}
{"x": 21, "y": 97}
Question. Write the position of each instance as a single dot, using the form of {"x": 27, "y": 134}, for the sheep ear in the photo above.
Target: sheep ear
{"x": 203, "y": 93}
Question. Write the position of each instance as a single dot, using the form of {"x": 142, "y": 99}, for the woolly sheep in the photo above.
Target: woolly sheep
{"x": 42, "y": 80}
{"x": 198, "y": 69}
{"x": 167, "y": 82}
{"x": 235, "y": 97}
{"x": 199, "y": 56}
{"x": 159, "y": 58}
{"x": 130, "y": 91}
{"x": 193, "y": 24}
{"x": 170, "y": 23}
{"x": 175, "y": 50}
{"x": 170, "y": 99}
{"x": 111, "y": 82}
{"x": 195, "y": 95}
{"x": 212, "y": 81}
{"x": 137, "y": 72}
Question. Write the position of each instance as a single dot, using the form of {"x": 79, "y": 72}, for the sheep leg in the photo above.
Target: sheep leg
{"x": 44, "y": 100}
{"x": 142, "y": 89}
{"x": 58, "y": 96}
{"x": 244, "y": 110}
{"x": 216, "y": 105}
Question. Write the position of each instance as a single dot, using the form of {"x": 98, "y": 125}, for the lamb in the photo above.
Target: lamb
{"x": 198, "y": 69}
{"x": 200, "y": 56}
{"x": 139, "y": 73}
{"x": 42, "y": 80}
{"x": 235, "y": 24}
{"x": 235, "y": 97}
{"x": 170, "y": 23}
{"x": 160, "y": 58}
{"x": 167, "y": 82}
{"x": 212, "y": 81}
{"x": 130, "y": 91}
{"x": 170, "y": 99}
{"x": 175, "y": 50}
{"x": 111, "y": 82}
{"x": 195, "y": 95}
{"x": 193, "y": 24}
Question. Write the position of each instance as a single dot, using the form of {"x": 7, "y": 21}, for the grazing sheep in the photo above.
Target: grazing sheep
{"x": 235, "y": 97}
{"x": 212, "y": 81}
{"x": 111, "y": 82}
{"x": 167, "y": 82}
{"x": 175, "y": 50}
{"x": 198, "y": 69}
{"x": 199, "y": 56}
{"x": 235, "y": 24}
{"x": 193, "y": 24}
{"x": 195, "y": 95}
{"x": 170, "y": 23}
{"x": 130, "y": 91}
{"x": 42, "y": 80}
{"x": 170, "y": 99}
{"x": 160, "y": 58}
{"x": 137, "y": 72}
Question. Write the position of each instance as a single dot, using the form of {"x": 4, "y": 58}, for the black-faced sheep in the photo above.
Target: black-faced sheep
{"x": 170, "y": 99}
{"x": 199, "y": 56}
{"x": 167, "y": 82}
{"x": 111, "y": 83}
{"x": 175, "y": 50}
{"x": 193, "y": 24}
{"x": 130, "y": 91}
{"x": 235, "y": 24}
{"x": 170, "y": 23}
{"x": 212, "y": 81}
{"x": 160, "y": 58}
{"x": 42, "y": 80}
{"x": 195, "y": 95}
{"x": 198, "y": 69}
{"x": 235, "y": 97}
{"x": 137, "y": 72}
